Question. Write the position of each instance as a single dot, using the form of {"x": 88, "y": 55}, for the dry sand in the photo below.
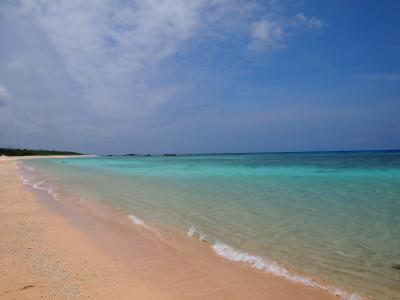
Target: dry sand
{"x": 50, "y": 250}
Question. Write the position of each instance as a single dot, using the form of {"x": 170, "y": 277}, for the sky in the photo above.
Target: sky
{"x": 178, "y": 76}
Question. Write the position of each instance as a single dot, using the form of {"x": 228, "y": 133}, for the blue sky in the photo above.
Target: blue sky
{"x": 199, "y": 76}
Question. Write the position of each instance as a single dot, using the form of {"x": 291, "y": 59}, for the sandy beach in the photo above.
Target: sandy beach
{"x": 206, "y": 149}
{"x": 52, "y": 250}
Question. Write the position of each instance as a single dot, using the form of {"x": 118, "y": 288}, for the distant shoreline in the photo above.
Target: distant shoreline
{"x": 295, "y": 152}
{"x": 33, "y": 152}
{"x": 254, "y": 153}
{"x": 13, "y": 158}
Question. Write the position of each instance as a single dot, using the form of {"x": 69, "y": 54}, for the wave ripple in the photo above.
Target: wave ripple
{"x": 274, "y": 268}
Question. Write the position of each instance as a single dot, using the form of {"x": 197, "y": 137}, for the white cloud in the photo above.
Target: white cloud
{"x": 271, "y": 31}
{"x": 111, "y": 47}
{"x": 109, "y": 65}
{"x": 301, "y": 20}
{"x": 266, "y": 33}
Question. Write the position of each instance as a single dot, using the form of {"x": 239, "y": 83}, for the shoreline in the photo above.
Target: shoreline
{"x": 16, "y": 158}
{"x": 119, "y": 261}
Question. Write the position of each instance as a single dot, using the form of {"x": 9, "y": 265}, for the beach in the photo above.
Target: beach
{"x": 56, "y": 251}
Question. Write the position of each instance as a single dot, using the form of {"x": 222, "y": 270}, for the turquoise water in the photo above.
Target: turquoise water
{"x": 309, "y": 217}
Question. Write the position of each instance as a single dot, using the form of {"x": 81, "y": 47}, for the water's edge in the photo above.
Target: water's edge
{"x": 221, "y": 249}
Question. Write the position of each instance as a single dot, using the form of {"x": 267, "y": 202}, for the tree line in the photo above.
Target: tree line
{"x": 27, "y": 152}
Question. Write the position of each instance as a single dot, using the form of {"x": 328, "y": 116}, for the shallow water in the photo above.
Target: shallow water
{"x": 311, "y": 217}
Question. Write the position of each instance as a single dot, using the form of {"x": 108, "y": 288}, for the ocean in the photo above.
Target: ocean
{"x": 329, "y": 220}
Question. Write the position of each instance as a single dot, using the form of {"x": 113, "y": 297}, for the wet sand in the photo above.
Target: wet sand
{"x": 54, "y": 250}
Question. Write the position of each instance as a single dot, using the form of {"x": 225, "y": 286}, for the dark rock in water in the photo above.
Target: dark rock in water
{"x": 396, "y": 266}
{"x": 148, "y": 155}
{"x": 132, "y": 154}
{"x": 110, "y": 155}
{"x": 169, "y": 154}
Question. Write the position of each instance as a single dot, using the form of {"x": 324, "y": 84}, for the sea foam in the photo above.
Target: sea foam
{"x": 196, "y": 233}
{"x": 136, "y": 220}
{"x": 20, "y": 165}
{"x": 232, "y": 254}
{"x": 39, "y": 186}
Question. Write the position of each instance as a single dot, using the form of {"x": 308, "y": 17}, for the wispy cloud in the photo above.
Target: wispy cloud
{"x": 301, "y": 20}
{"x": 266, "y": 33}
{"x": 271, "y": 30}
{"x": 110, "y": 47}
{"x": 108, "y": 65}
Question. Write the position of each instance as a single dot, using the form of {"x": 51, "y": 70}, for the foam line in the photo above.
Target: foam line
{"x": 274, "y": 268}
{"x": 140, "y": 222}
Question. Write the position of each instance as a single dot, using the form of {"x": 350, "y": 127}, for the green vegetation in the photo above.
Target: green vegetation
{"x": 26, "y": 152}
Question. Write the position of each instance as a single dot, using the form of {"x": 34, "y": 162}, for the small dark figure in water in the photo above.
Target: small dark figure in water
{"x": 396, "y": 266}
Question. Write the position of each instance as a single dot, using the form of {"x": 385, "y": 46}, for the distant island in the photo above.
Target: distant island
{"x": 133, "y": 154}
{"x": 29, "y": 152}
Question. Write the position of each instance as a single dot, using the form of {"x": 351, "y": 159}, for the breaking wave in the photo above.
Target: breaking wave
{"x": 140, "y": 222}
{"x": 196, "y": 233}
{"x": 39, "y": 186}
{"x": 274, "y": 268}
{"x": 136, "y": 220}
